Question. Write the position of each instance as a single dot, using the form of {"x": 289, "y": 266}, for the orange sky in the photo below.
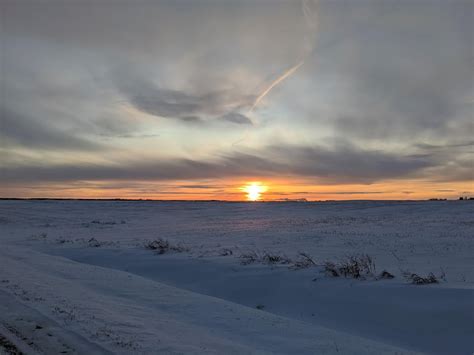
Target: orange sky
{"x": 235, "y": 190}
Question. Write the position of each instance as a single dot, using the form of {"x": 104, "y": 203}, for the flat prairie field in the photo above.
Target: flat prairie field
{"x": 354, "y": 277}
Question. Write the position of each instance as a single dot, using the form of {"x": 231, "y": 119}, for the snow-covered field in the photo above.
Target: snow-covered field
{"x": 76, "y": 277}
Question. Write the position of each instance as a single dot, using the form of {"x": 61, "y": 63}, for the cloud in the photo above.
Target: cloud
{"x": 346, "y": 162}
{"x": 454, "y": 169}
{"x": 166, "y": 103}
{"x": 201, "y": 186}
{"x": 24, "y": 131}
{"x": 350, "y": 192}
{"x": 339, "y": 165}
{"x": 397, "y": 76}
{"x": 397, "y": 71}
{"x": 129, "y": 136}
{"x": 236, "y": 117}
{"x": 427, "y": 146}
{"x": 186, "y": 107}
{"x": 192, "y": 119}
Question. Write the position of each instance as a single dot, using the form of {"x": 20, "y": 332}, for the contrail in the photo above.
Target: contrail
{"x": 311, "y": 17}
{"x": 310, "y": 14}
{"x": 275, "y": 83}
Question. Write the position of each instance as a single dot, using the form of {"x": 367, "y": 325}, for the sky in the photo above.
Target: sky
{"x": 322, "y": 100}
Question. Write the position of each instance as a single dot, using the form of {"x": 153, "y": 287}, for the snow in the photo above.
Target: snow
{"x": 111, "y": 295}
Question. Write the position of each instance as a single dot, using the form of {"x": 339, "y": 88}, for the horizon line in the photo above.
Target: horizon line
{"x": 219, "y": 200}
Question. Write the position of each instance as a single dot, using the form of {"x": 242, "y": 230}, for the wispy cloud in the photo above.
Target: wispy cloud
{"x": 30, "y": 132}
{"x": 339, "y": 165}
{"x": 186, "y": 107}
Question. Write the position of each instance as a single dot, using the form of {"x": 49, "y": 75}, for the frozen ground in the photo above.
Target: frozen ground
{"x": 75, "y": 277}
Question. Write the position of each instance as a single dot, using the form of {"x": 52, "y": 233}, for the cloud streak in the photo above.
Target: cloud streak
{"x": 222, "y": 105}
{"x": 23, "y": 131}
{"x": 310, "y": 13}
{"x": 340, "y": 165}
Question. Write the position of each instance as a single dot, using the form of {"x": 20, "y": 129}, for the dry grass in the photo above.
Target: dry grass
{"x": 263, "y": 258}
{"x": 304, "y": 261}
{"x": 354, "y": 266}
{"x": 421, "y": 280}
{"x": 163, "y": 246}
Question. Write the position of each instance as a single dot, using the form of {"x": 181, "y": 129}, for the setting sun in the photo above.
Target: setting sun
{"x": 254, "y": 191}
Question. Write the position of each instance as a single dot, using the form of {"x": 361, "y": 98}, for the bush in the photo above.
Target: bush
{"x": 263, "y": 258}
{"x": 62, "y": 240}
{"x": 421, "y": 280}
{"x": 41, "y": 236}
{"x": 110, "y": 223}
{"x": 226, "y": 252}
{"x": 305, "y": 261}
{"x": 355, "y": 266}
{"x": 162, "y": 246}
{"x": 94, "y": 243}
{"x": 249, "y": 258}
{"x": 275, "y": 259}
{"x": 385, "y": 275}
{"x": 331, "y": 269}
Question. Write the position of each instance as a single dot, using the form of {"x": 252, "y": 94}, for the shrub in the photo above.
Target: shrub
{"x": 355, "y": 266}
{"x": 41, "y": 236}
{"x": 226, "y": 252}
{"x": 263, "y": 258}
{"x": 304, "y": 261}
{"x": 385, "y": 275}
{"x": 275, "y": 259}
{"x": 249, "y": 258}
{"x": 94, "y": 243}
{"x": 331, "y": 269}
{"x": 62, "y": 240}
{"x": 162, "y": 246}
{"x": 421, "y": 280}
{"x": 96, "y": 221}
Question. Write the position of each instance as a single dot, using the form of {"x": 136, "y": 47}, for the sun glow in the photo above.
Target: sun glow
{"x": 254, "y": 191}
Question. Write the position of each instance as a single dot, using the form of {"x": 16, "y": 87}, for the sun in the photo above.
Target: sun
{"x": 254, "y": 190}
